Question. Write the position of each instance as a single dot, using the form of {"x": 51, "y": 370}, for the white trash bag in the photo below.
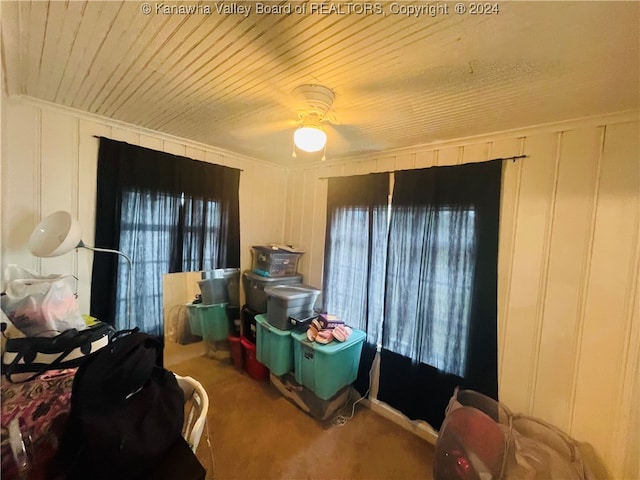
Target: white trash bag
{"x": 40, "y": 305}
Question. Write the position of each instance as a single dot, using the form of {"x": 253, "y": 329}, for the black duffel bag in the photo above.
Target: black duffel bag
{"x": 127, "y": 411}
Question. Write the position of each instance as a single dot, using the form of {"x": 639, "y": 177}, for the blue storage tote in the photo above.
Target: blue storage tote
{"x": 325, "y": 369}
{"x": 214, "y": 321}
{"x": 274, "y": 347}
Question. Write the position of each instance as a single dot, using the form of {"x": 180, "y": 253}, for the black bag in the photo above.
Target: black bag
{"x": 126, "y": 411}
{"x": 25, "y": 358}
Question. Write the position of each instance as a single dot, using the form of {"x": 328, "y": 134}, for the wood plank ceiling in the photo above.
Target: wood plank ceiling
{"x": 402, "y": 76}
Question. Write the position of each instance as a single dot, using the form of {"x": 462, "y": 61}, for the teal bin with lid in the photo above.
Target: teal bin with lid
{"x": 274, "y": 347}
{"x": 325, "y": 369}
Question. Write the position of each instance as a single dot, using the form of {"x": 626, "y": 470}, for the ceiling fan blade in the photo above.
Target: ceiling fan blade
{"x": 341, "y": 138}
{"x": 259, "y": 129}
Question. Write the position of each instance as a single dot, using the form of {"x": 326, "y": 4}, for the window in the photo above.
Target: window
{"x": 356, "y": 238}
{"x": 429, "y": 286}
{"x": 148, "y": 228}
{"x": 348, "y": 266}
{"x": 200, "y": 240}
{"x": 168, "y": 214}
{"x": 435, "y": 274}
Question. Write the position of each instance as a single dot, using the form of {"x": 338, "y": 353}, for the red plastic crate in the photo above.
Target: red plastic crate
{"x": 252, "y": 366}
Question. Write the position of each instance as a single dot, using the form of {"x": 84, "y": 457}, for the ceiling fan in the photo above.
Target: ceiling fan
{"x": 312, "y": 116}
{"x": 314, "y": 104}
{"x": 314, "y": 111}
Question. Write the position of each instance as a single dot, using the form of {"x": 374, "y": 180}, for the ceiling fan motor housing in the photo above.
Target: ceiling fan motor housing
{"x": 317, "y": 100}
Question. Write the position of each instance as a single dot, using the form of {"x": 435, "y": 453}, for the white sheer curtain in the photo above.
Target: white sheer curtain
{"x": 162, "y": 233}
{"x": 355, "y": 258}
{"x": 355, "y": 266}
{"x": 431, "y": 266}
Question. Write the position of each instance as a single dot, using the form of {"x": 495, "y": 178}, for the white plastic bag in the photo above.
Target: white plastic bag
{"x": 40, "y": 305}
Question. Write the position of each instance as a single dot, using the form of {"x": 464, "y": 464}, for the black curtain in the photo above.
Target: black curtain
{"x": 440, "y": 327}
{"x": 355, "y": 248}
{"x": 142, "y": 188}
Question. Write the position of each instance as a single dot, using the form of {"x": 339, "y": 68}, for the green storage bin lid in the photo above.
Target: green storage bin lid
{"x": 257, "y": 278}
{"x": 210, "y": 306}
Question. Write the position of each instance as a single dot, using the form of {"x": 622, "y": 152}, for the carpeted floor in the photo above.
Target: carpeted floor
{"x": 256, "y": 433}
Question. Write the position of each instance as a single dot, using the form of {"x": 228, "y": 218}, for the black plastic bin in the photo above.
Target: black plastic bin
{"x": 249, "y": 323}
{"x": 233, "y": 312}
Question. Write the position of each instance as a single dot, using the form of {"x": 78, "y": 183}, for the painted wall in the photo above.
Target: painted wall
{"x": 568, "y": 301}
{"x": 49, "y": 162}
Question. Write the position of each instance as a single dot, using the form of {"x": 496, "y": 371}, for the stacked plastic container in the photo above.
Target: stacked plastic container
{"x": 216, "y": 318}
{"x": 314, "y": 376}
{"x": 270, "y": 267}
{"x": 324, "y": 369}
{"x": 274, "y": 347}
{"x": 256, "y": 297}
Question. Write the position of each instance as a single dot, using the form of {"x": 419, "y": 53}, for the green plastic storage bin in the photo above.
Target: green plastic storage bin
{"x": 325, "y": 369}
{"x": 274, "y": 347}
{"x": 214, "y": 321}
{"x": 195, "y": 323}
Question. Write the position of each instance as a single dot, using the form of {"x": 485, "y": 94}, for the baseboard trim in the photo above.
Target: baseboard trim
{"x": 418, "y": 427}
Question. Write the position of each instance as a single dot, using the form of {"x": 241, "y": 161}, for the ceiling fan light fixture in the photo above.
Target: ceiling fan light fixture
{"x": 310, "y": 138}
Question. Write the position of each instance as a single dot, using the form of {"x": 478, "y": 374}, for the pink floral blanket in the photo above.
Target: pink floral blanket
{"x": 41, "y": 406}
